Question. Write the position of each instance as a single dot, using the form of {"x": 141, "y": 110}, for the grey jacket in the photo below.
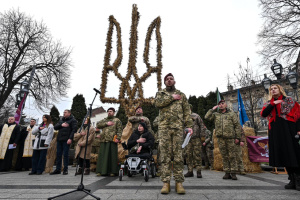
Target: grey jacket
{"x": 42, "y": 137}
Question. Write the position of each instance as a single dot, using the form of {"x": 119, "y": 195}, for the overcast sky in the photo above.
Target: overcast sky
{"x": 203, "y": 41}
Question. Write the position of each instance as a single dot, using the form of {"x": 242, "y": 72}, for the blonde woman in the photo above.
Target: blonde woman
{"x": 44, "y": 134}
{"x": 283, "y": 113}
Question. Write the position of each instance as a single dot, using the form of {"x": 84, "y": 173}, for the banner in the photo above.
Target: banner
{"x": 18, "y": 114}
{"x": 242, "y": 112}
{"x": 258, "y": 148}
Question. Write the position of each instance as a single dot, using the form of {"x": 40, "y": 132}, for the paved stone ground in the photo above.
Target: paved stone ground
{"x": 19, "y": 185}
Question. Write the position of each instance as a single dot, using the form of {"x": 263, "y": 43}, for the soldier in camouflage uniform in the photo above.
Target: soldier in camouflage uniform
{"x": 228, "y": 132}
{"x": 193, "y": 149}
{"x": 239, "y": 153}
{"x": 109, "y": 139}
{"x": 207, "y": 150}
{"x": 174, "y": 112}
{"x": 135, "y": 120}
{"x": 155, "y": 124}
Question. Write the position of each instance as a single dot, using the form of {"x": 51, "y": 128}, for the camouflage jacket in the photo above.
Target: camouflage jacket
{"x": 173, "y": 113}
{"x": 96, "y": 142}
{"x": 136, "y": 119}
{"x": 155, "y": 124}
{"x": 198, "y": 126}
{"x": 208, "y": 137}
{"x": 227, "y": 124}
{"x": 108, "y": 132}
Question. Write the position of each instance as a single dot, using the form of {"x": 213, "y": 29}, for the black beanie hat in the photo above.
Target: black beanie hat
{"x": 145, "y": 126}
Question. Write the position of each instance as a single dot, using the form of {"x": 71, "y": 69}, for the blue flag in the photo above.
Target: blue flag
{"x": 242, "y": 111}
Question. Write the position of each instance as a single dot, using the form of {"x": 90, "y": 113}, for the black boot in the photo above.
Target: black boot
{"x": 292, "y": 183}
{"x": 297, "y": 180}
{"x": 189, "y": 174}
{"x": 227, "y": 176}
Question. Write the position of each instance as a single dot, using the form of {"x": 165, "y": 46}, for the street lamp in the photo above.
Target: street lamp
{"x": 24, "y": 88}
{"x": 266, "y": 82}
{"x": 292, "y": 77}
{"x": 277, "y": 69}
{"x": 18, "y": 100}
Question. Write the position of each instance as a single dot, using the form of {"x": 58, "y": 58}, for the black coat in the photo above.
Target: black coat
{"x": 15, "y": 135}
{"x": 65, "y": 133}
{"x": 145, "y": 146}
{"x": 284, "y": 149}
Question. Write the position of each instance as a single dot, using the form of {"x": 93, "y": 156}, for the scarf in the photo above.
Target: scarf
{"x": 289, "y": 111}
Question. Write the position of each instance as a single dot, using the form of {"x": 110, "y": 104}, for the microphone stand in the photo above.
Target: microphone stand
{"x": 81, "y": 186}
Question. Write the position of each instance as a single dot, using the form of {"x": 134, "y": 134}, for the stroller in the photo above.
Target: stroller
{"x": 137, "y": 164}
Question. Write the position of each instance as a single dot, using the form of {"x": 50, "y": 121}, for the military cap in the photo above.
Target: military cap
{"x": 169, "y": 74}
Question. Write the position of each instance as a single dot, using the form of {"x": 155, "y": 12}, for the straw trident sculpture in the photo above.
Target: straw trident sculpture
{"x": 130, "y": 98}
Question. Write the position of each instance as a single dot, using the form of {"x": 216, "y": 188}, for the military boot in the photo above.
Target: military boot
{"x": 199, "y": 175}
{"x": 233, "y": 176}
{"x": 227, "y": 176}
{"x": 189, "y": 174}
{"x": 79, "y": 171}
{"x": 179, "y": 188}
{"x": 292, "y": 183}
{"x": 166, "y": 188}
{"x": 87, "y": 171}
{"x": 297, "y": 178}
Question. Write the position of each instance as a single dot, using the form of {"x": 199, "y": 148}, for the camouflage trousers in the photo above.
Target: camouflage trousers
{"x": 193, "y": 154}
{"x": 158, "y": 160}
{"x": 170, "y": 141}
{"x": 227, "y": 150}
{"x": 208, "y": 155}
{"x": 239, "y": 157}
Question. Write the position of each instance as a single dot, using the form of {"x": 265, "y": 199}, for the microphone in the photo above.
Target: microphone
{"x": 97, "y": 91}
{"x": 297, "y": 136}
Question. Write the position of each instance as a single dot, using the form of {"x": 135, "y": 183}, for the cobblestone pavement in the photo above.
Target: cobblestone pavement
{"x": 19, "y": 185}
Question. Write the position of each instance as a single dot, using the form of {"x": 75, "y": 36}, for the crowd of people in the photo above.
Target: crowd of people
{"x": 174, "y": 121}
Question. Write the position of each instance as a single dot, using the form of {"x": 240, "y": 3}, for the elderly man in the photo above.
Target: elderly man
{"x": 228, "y": 132}
{"x": 25, "y": 144}
{"x": 109, "y": 139}
{"x": 135, "y": 120}
{"x": 175, "y": 115}
{"x": 9, "y": 138}
{"x": 66, "y": 127}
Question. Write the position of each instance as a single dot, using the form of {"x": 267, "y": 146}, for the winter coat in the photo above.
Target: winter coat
{"x": 145, "y": 146}
{"x": 42, "y": 137}
{"x": 108, "y": 132}
{"x": 174, "y": 114}
{"x": 82, "y": 140}
{"x": 65, "y": 133}
{"x": 227, "y": 124}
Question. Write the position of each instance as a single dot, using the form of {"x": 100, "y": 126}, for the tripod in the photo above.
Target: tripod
{"x": 81, "y": 186}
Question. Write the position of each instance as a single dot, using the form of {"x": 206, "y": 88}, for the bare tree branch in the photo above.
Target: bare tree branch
{"x": 280, "y": 34}
{"x": 24, "y": 43}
